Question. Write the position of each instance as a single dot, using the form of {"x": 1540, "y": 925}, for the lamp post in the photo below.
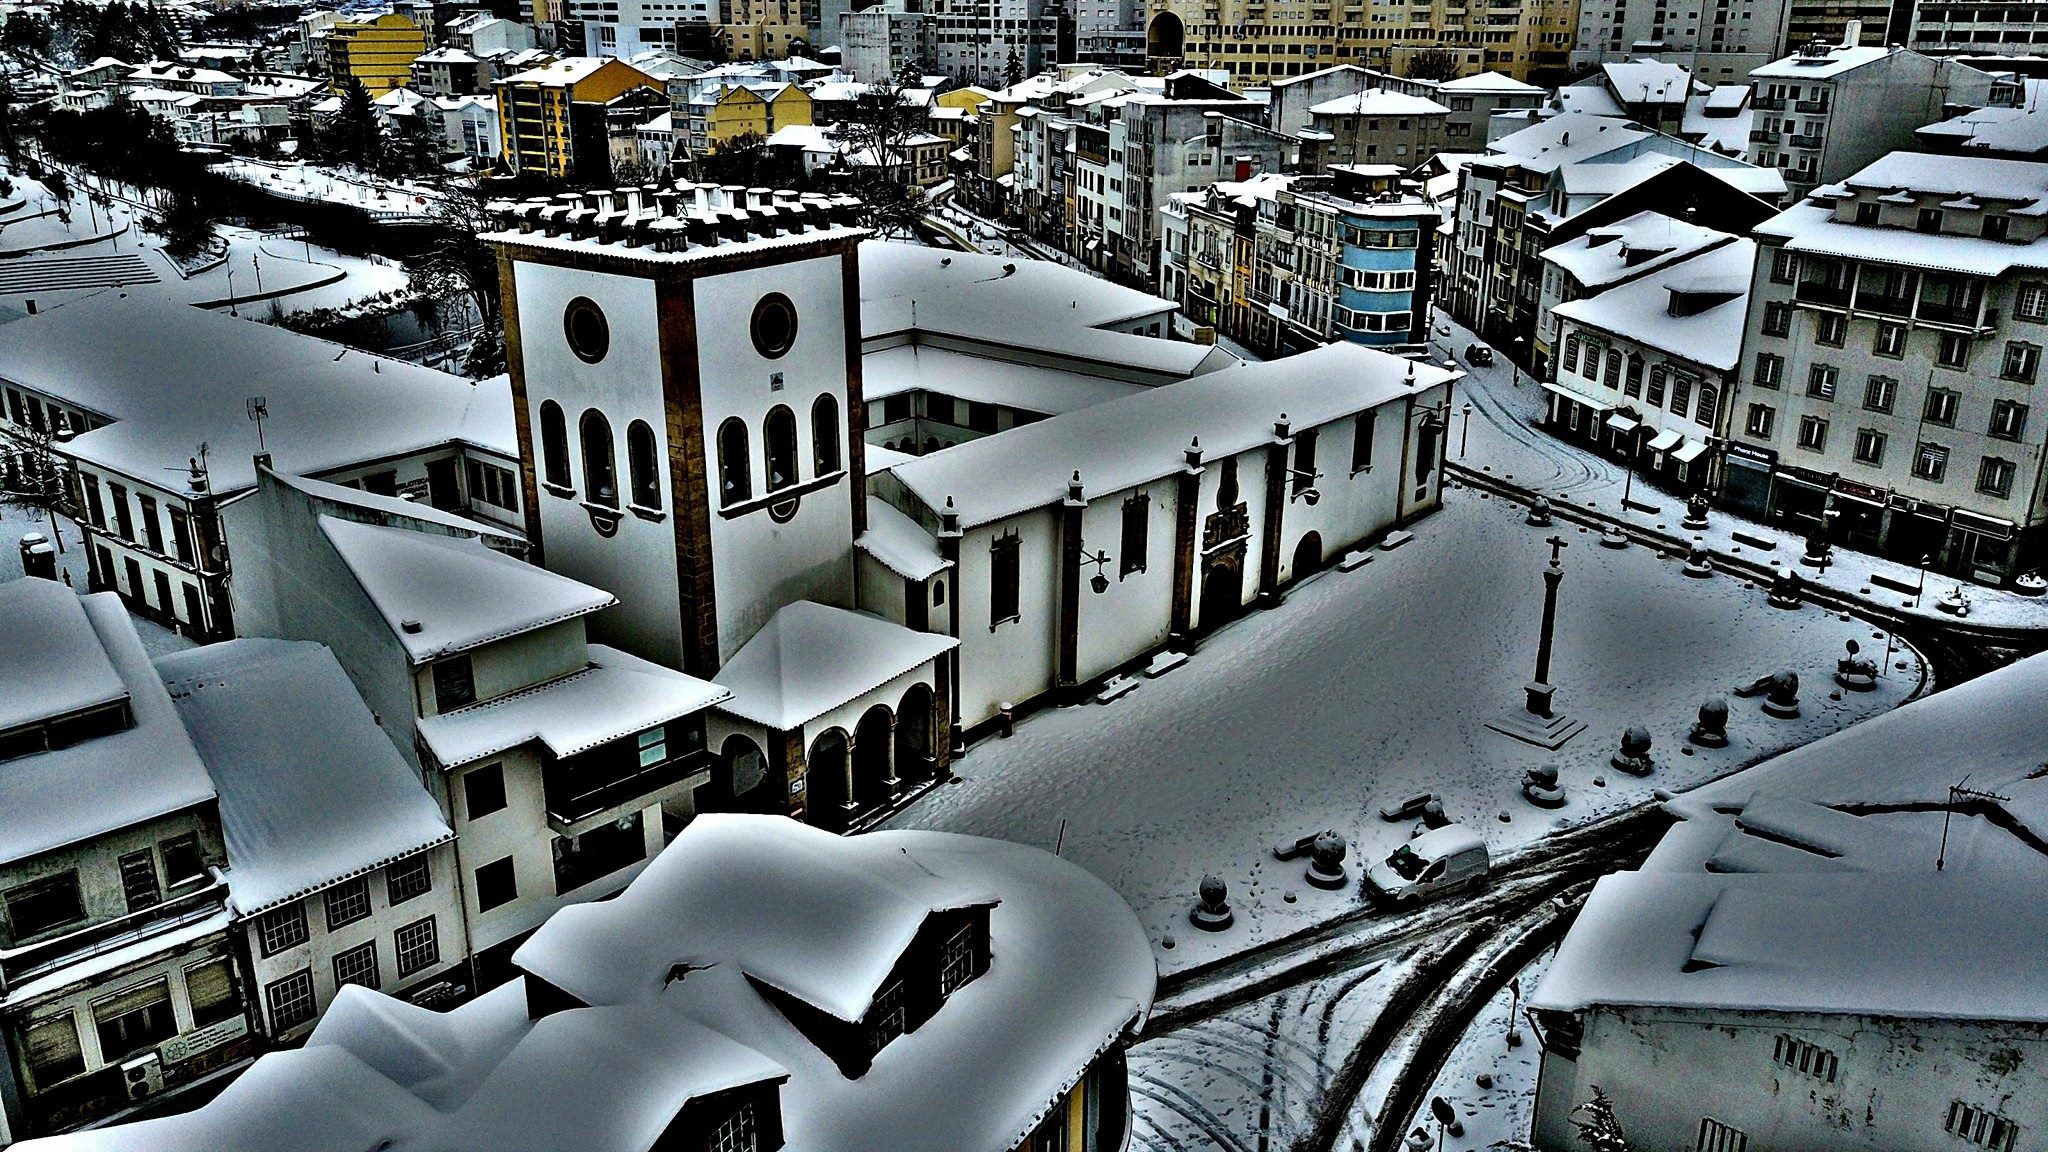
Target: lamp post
{"x": 231, "y": 293}
{"x": 1465, "y": 433}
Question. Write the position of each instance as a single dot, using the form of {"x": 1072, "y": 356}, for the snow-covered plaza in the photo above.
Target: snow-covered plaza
{"x": 1370, "y": 686}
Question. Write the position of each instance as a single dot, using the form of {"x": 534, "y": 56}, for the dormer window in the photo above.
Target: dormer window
{"x": 1995, "y": 227}
{"x": 956, "y": 961}
{"x": 1867, "y": 212}
{"x": 887, "y": 1019}
{"x": 1929, "y": 221}
{"x": 738, "y": 1132}
{"x": 454, "y": 684}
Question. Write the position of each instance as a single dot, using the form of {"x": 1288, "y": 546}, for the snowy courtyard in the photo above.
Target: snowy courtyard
{"x": 1370, "y": 686}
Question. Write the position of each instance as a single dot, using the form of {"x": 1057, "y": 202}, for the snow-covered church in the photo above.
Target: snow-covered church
{"x": 687, "y": 372}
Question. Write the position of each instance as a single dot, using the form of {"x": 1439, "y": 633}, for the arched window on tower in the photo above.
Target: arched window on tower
{"x": 554, "y": 445}
{"x": 641, "y": 462}
{"x": 735, "y": 472}
{"x": 779, "y": 434}
{"x": 600, "y": 464}
{"x": 825, "y": 435}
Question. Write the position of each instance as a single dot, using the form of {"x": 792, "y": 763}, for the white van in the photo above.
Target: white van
{"x": 1449, "y": 859}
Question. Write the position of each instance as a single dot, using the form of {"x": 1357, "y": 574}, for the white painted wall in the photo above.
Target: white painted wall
{"x": 638, "y": 563}
{"x": 1134, "y": 615}
{"x": 760, "y": 565}
{"x": 1665, "y": 1069}
{"x": 1013, "y": 661}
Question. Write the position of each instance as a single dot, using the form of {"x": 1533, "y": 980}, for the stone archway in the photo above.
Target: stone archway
{"x": 874, "y": 758}
{"x": 1166, "y": 37}
{"x": 914, "y": 760}
{"x": 825, "y": 789}
{"x": 1222, "y": 588}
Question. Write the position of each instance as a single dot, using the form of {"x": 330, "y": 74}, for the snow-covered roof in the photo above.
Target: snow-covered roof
{"x": 2020, "y": 131}
{"x": 54, "y": 663}
{"x": 661, "y": 125}
{"x": 881, "y": 459}
{"x": 811, "y": 658}
{"x": 1718, "y": 121}
{"x": 617, "y": 695}
{"x": 311, "y": 790}
{"x": 899, "y": 543}
{"x": 1811, "y": 227}
{"x": 1489, "y": 82}
{"x": 444, "y": 594}
{"x": 171, "y": 377}
{"x": 445, "y": 56}
{"x": 1140, "y": 438}
{"x": 1629, "y": 247}
{"x": 561, "y": 73}
{"x": 824, "y": 918}
{"x": 1648, "y": 81}
{"x": 1982, "y": 177}
{"x": 1564, "y": 139}
{"x": 1379, "y": 102}
{"x": 1821, "y": 66}
{"x": 1863, "y": 944}
{"x": 150, "y": 769}
{"x": 982, "y": 379}
{"x": 1022, "y": 293}
{"x": 1640, "y": 311}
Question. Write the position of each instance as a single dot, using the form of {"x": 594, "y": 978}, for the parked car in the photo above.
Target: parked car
{"x": 1478, "y": 355}
{"x": 1439, "y": 862}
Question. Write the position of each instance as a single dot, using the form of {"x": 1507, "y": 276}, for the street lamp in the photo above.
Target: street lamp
{"x": 231, "y": 293}
{"x": 1099, "y": 582}
{"x": 1520, "y": 343}
{"x": 1465, "y": 435}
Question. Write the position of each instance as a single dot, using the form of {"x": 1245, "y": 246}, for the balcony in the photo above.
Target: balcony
{"x": 1901, "y": 306}
{"x": 1803, "y": 141}
{"x": 31, "y": 960}
{"x": 1823, "y": 294}
{"x": 1769, "y": 103}
{"x": 1811, "y": 107}
{"x": 1762, "y": 136}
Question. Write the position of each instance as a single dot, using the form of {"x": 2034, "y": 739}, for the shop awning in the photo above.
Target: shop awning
{"x": 1665, "y": 441}
{"x": 1689, "y": 451}
{"x": 1621, "y": 423}
{"x": 1574, "y": 397}
{"x": 1990, "y": 526}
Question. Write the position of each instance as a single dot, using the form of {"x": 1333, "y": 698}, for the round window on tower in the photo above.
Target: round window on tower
{"x": 590, "y": 337}
{"x": 774, "y": 325}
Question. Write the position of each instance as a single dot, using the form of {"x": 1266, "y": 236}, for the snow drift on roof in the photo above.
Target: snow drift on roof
{"x": 899, "y": 543}
{"x": 311, "y": 789}
{"x": 53, "y": 663}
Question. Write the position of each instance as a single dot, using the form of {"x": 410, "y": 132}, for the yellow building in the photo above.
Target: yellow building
{"x": 740, "y": 111}
{"x": 555, "y": 119}
{"x": 379, "y": 52}
{"x": 762, "y": 29}
{"x": 1259, "y": 41}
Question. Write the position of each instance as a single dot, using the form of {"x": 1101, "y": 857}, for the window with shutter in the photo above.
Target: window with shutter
{"x": 134, "y": 1020}
{"x": 53, "y": 1050}
{"x": 211, "y": 988}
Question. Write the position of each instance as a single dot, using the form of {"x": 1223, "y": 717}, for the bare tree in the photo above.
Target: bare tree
{"x": 1433, "y": 64}
{"x": 33, "y": 476}
{"x": 877, "y": 136}
{"x": 456, "y": 263}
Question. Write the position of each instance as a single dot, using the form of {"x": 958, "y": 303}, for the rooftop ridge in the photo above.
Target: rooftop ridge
{"x": 678, "y": 218}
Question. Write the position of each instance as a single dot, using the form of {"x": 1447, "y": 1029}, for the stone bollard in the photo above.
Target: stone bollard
{"x": 1212, "y": 911}
{"x": 1326, "y": 862}
{"x": 1785, "y": 590}
{"x": 1819, "y": 553}
{"x": 1857, "y": 673}
{"x": 1539, "y": 513}
{"x": 1712, "y": 729}
{"x": 1781, "y": 699}
{"x": 1634, "y": 756}
{"x": 1433, "y": 816}
{"x": 1613, "y": 537}
{"x": 1695, "y": 513}
{"x": 1540, "y": 787}
{"x": 1699, "y": 563}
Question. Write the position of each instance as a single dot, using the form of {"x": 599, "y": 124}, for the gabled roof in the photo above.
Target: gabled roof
{"x": 1822, "y": 66}
{"x": 1640, "y": 310}
{"x": 454, "y": 593}
{"x": 1379, "y": 102}
{"x": 811, "y": 658}
{"x": 899, "y": 544}
{"x": 1498, "y": 82}
{"x": 53, "y": 663}
{"x": 311, "y": 790}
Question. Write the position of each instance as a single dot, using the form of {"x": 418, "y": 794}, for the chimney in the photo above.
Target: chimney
{"x": 1852, "y": 34}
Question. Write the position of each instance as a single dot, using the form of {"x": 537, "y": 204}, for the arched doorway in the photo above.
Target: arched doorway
{"x": 738, "y": 780}
{"x": 1222, "y": 588}
{"x": 873, "y": 745}
{"x": 1166, "y": 37}
{"x": 914, "y": 734}
{"x": 1308, "y": 556}
{"x": 825, "y": 781}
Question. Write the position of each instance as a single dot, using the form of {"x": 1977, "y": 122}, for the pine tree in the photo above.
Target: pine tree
{"x": 1013, "y": 71}
{"x": 1600, "y": 1131}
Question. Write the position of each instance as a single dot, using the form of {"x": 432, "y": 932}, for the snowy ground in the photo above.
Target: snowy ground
{"x": 1496, "y": 1114}
{"x": 1369, "y": 686}
{"x": 128, "y": 258}
{"x": 1504, "y": 439}
{"x": 313, "y": 182}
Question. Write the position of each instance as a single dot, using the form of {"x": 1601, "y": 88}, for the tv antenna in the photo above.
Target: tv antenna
{"x": 258, "y": 408}
{"x": 1956, "y": 791}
